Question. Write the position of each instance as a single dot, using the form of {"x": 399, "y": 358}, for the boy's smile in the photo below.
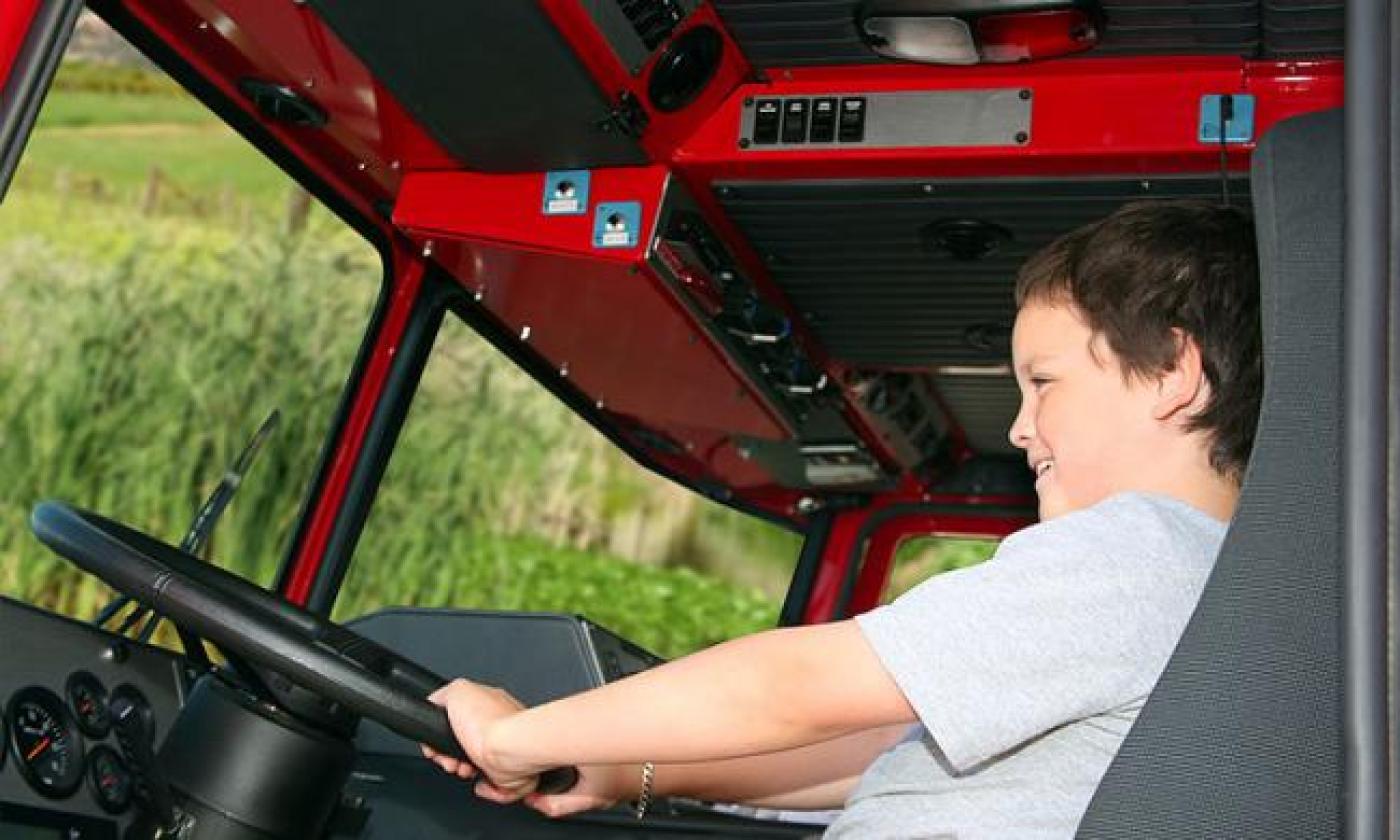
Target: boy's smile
{"x": 1086, "y": 430}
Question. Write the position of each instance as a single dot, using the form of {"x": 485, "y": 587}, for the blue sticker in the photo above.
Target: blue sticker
{"x": 566, "y": 192}
{"x": 617, "y": 224}
{"x": 1239, "y": 128}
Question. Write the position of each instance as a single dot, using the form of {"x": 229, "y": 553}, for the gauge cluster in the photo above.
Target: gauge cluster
{"x": 60, "y": 761}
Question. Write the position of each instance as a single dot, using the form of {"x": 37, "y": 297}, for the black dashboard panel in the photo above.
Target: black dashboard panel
{"x": 39, "y": 654}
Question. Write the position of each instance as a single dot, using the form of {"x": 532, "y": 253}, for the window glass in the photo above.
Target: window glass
{"x": 498, "y": 496}
{"x": 164, "y": 287}
{"x": 920, "y": 558}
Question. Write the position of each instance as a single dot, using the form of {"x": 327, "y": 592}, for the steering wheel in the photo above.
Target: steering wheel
{"x": 313, "y": 652}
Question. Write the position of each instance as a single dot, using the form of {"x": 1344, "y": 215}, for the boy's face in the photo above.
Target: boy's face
{"x": 1086, "y": 431}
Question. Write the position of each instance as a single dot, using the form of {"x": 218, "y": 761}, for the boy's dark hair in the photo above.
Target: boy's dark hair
{"x": 1155, "y": 266}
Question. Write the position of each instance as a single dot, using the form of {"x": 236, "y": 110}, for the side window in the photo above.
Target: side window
{"x": 165, "y": 287}
{"x": 920, "y": 558}
{"x": 497, "y": 496}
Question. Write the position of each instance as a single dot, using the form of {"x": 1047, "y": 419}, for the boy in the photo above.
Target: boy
{"x": 1136, "y": 350}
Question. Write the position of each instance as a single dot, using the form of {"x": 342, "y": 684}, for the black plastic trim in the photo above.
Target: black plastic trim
{"x": 809, "y": 563}
{"x": 383, "y": 433}
{"x": 29, "y": 79}
{"x": 1366, "y": 270}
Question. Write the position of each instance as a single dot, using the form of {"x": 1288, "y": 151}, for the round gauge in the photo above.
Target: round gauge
{"x": 88, "y": 700}
{"x": 109, "y": 779}
{"x": 45, "y": 741}
{"x": 137, "y": 700}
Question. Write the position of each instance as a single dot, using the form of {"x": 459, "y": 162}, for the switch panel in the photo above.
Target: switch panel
{"x": 929, "y": 119}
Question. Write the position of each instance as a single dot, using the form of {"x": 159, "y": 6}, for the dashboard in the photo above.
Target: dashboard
{"x": 62, "y": 771}
{"x": 64, "y": 774}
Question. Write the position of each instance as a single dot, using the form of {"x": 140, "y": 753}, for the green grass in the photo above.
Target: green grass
{"x": 95, "y": 109}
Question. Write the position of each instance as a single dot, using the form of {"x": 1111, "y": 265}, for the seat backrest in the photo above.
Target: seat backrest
{"x": 1242, "y": 736}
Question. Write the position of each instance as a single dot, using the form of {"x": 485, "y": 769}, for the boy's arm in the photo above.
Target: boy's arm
{"x": 760, "y": 694}
{"x": 815, "y": 777}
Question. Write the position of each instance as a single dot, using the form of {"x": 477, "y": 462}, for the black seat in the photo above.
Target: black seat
{"x": 1242, "y": 737}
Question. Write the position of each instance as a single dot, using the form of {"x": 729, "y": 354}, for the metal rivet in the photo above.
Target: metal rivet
{"x": 308, "y": 83}
{"x": 928, "y": 188}
{"x": 564, "y": 370}
{"x": 479, "y": 294}
{"x": 204, "y": 24}
{"x": 600, "y": 405}
{"x": 362, "y": 166}
{"x": 525, "y": 333}
{"x": 394, "y": 165}
{"x": 428, "y": 248}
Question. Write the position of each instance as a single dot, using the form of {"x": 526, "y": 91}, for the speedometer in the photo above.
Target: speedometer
{"x": 44, "y": 739}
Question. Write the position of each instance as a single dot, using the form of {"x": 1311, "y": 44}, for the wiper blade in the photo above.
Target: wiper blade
{"x": 196, "y": 538}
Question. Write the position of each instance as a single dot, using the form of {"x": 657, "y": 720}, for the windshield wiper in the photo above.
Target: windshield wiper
{"x": 196, "y": 538}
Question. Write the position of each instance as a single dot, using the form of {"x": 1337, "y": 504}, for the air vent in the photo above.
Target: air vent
{"x": 653, "y": 20}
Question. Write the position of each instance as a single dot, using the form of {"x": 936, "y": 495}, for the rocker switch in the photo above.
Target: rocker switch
{"x": 766, "y": 116}
{"x": 823, "y": 120}
{"x": 852, "y": 119}
{"x": 795, "y": 113}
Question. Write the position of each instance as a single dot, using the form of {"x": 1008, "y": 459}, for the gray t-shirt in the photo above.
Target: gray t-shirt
{"x": 1027, "y": 671}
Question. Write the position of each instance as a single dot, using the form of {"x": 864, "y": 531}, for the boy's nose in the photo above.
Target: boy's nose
{"x": 1022, "y": 428}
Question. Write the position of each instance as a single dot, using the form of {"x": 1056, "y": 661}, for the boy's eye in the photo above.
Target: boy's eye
{"x": 1037, "y": 381}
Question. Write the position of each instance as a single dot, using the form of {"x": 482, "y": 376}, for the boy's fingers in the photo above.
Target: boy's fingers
{"x": 560, "y": 805}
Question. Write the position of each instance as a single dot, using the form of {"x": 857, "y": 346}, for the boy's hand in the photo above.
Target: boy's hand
{"x": 472, "y": 709}
{"x": 599, "y": 786}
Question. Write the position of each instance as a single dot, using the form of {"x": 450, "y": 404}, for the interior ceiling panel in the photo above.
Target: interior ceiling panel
{"x": 984, "y": 406}
{"x": 856, "y": 258}
{"x": 788, "y": 33}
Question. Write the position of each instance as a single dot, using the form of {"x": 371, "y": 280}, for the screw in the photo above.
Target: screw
{"x": 743, "y": 142}
{"x": 1025, "y": 93}
{"x": 748, "y": 101}
{"x": 1022, "y": 137}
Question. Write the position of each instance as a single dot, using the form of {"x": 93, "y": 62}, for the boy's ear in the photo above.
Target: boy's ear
{"x": 1182, "y": 389}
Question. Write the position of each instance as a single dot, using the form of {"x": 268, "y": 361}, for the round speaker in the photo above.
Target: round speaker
{"x": 685, "y": 68}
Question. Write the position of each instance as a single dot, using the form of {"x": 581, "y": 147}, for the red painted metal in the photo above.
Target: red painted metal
{"x": 1089, "y": 116}
{"x": 407, "y": 276}
{"x": 875, "y": 558}
{"x": 879, "y": 556}
{"x": 15, "y": 17}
